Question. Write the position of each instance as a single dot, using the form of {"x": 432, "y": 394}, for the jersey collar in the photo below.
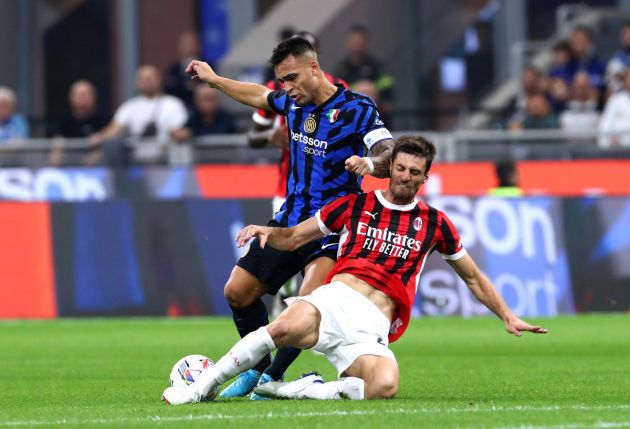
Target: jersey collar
{"x": 385, "y": 203}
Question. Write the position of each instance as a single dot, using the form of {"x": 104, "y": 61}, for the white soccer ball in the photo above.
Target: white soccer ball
{"x": 187, "y": 369}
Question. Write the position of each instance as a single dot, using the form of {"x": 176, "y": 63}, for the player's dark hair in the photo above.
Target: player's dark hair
{"x": 416, "y": 146}
{"x": 295, "y": 46}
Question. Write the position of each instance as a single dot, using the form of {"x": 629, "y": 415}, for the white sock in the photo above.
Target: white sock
{"x": 241, "y": 357}
{"x": 345, "y": 388}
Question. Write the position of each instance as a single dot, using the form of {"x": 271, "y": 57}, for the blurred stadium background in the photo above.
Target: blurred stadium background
{"x": 528, "y": 102}
{"x": 493, "y": 82}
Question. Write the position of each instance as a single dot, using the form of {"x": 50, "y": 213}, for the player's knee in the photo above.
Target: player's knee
{"x": 234, "y": 297}
{"x": 280, "y": 331}
{"x": 383, "y": 383}
{"x": 385, "y": 387}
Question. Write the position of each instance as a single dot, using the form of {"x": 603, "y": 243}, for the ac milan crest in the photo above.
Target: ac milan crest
{"x": 417, "y": 224}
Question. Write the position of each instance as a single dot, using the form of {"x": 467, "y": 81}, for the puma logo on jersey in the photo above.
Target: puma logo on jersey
{"x": 372, "y": 215}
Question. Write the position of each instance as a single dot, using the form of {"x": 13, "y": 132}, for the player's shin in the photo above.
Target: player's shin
{"x": 248, "y": 319}
{"x": 241, "y": 357}
{"x": 283, "y": 359}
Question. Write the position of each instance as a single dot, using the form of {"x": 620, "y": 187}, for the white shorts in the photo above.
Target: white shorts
{"x": 351, "y": 325}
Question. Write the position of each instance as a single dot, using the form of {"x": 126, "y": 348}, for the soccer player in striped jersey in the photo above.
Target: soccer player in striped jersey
{"x": 329, "y": 130}
{"x": 386, "y": 237}
{"x": 271, "y": 128}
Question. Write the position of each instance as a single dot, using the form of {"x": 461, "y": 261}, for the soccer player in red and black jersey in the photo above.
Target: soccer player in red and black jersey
{"x": 385, "y": 238}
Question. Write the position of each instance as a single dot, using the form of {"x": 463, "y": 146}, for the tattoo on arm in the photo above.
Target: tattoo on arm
{"x": 382, "y": 156}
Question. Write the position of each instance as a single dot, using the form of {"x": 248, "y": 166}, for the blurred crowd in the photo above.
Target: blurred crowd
{"x": 581, "y": 92}
{"x": 169, "y": 107}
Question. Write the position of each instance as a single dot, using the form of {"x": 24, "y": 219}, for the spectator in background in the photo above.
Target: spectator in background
{"x": 563, "y": 62}
{"x": 177, "y": 82}
{"x": 581, "y": 113}
{"x": 151, "y": 114}
{"x": 367, "y": 87}
{"x": 358, "y": 64}
{"x": 561, "y": 75}
{"x": 83, "y": 120}
{"x": 208, "y": 116}
{"x": 12, "y": 125}
{"x": 508, "y": 180}
{"x": 13, "y": 128}
{"x": 538, "y": 115}
{"x": 616, "y": 117}
{"x": 581, "y": 42}
{"x": 620, "y": 61}
{"x": 532, "y": 82}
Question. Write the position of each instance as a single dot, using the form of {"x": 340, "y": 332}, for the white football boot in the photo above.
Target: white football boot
{"x": 288, "y": 390}
{"x": 181, "y": 395}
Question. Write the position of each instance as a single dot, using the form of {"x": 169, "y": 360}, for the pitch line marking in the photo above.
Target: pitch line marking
{"x": 342, "y": 413}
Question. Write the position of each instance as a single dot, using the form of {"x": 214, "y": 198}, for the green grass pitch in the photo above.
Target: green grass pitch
{"x": 455, "y": 373}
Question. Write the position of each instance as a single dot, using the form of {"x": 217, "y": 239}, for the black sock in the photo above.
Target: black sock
{"x": 248, "y": 319}
{"x": 283, "y": 359}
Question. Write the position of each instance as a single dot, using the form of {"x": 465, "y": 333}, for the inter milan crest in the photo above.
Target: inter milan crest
{"x": 310, "y": 124}
{"x": 417, "y": 224}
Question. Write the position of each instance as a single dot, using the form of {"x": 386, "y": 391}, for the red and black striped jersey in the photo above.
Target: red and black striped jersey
{"x": 267, "y": 118}
{"x": 386, "y": 245}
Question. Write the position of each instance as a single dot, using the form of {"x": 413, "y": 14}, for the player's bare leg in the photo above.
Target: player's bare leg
{"x": 369, "y": 377}
{"x": 242, "y": 288}
{"x": 297, "y": 326}
{"x": 379, "y": 373}
{"x": 314, "y": 276}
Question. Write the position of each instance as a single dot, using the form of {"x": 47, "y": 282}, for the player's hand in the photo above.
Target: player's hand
{"x": 250, "y": 231}
{"x": 202, "y": 71}
{"x": 357, "y": 165}
{"x": 516, "y": 326}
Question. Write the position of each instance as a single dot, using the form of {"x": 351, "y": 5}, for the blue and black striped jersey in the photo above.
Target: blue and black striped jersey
{"x": 321, "y": 138}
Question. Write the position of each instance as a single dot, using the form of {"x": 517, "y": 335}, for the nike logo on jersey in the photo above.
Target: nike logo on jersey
{"x": 325, "y": 246}
{"x": 295, "y": 107}
{"x": 372, "y": 215}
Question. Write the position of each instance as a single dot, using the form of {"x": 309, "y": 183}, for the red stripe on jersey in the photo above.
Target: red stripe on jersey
{"x": 387, "y": 247}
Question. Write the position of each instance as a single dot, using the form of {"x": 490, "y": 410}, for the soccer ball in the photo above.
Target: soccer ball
{"x": 187, "y": 369}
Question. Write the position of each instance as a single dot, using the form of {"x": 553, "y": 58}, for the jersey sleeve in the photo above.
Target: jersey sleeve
{"x": 263, "y": 117}
{"x": 334, "y": 215}
{"x": 278, "y": 101}
{"x": 372, "y": 127}
{"x": 448, "y": 241}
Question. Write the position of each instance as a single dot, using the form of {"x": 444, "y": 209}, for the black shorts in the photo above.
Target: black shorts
{"x": 274, "y": 267}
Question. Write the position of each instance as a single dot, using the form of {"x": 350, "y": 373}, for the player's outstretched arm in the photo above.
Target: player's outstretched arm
{"x": 281, "y": 238}
{"x": 252, "y": 94}
{"x": 377, "y": 165}
{"x": 484, "y": 291}
{"x": 382, "y": 158}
